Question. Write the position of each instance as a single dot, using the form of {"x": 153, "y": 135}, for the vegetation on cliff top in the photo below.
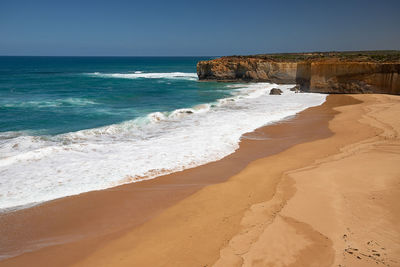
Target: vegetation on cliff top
{"x": 353, "y": 56}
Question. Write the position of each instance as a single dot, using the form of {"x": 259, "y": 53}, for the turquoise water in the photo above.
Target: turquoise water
{"x": 70, "y": 125}
{"x": 53, "y": 95}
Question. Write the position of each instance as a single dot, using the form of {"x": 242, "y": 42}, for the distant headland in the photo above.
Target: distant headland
{"x": 322, "y": 72}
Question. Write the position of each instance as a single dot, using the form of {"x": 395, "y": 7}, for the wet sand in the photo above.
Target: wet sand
{"x": 218, "y": 213}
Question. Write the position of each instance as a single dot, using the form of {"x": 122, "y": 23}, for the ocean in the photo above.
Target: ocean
{"x": 70, "y": 125}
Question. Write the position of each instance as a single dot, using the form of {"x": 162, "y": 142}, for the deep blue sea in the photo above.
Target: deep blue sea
{"x": 53, "y": 95}
{"x": 69, "y": 125}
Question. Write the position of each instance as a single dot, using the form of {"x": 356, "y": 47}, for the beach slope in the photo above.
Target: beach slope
{"x": 330, "y": 202}
{"x": 332, "y": 199}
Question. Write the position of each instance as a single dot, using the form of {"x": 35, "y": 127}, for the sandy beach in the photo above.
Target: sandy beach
{"x": 320, "y": 189}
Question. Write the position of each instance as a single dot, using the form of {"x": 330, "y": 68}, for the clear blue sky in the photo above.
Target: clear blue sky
{"x": 201, "y": 27}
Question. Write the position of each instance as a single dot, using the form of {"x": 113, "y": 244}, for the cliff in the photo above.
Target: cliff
{"x": 370, "y": 72}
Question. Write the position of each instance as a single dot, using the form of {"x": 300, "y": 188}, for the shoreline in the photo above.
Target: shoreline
{"x": 140, "y": 148}
{"x": 224, "y": 218}
{"x": 62, "y": 217}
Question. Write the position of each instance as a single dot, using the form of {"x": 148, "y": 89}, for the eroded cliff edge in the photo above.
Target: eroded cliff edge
{"x": 377, "y": 72}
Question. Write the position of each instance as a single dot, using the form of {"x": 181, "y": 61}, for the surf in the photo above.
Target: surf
{"x": 49, "y": 167}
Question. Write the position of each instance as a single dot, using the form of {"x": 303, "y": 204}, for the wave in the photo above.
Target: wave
{"x": 49, "y": 167}
{"x": 49, "y": 103}
{"x": 151, "y": 75}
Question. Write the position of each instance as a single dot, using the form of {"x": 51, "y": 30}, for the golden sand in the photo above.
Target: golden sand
{"x": 332, "y": 199}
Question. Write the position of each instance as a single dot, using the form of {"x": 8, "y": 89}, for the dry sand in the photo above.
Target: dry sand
{"x": 331, "y": 199}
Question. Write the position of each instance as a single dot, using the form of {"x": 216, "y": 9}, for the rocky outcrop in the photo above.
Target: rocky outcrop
{"x": 295, "y": 89}
{"x": 352, "y": 77}
{"x": 323, "y": 75}
{"x": 247, "y": 69}
{"x": 275, "y": 91}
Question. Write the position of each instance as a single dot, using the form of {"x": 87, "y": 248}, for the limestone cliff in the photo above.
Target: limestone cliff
{"x": 314, "y": 73}
{"x": 247, "y": 69}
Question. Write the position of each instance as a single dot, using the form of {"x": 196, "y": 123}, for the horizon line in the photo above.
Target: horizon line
{"x": 234, "y": 54}
{"x": 94, "y": 56}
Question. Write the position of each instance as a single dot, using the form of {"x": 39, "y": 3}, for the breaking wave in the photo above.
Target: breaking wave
{"x": 152, "y": 75}
{"x": 48, "y": 167}
{"x": 49, "y": 103}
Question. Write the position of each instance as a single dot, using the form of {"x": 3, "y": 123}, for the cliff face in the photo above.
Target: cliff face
{"x": 356, "y": 77}
{"x": 326, "y": 76}
{"x": 249, "y": 69}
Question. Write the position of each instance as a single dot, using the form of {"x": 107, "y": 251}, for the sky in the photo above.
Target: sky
{"x": 195, "y": 28}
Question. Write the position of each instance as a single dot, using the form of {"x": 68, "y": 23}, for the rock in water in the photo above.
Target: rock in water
{"x": 275, "y": 91}
{"x": 295, "y": 88}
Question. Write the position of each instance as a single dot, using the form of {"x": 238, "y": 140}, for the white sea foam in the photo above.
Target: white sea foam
{"x": 39, "y": 168}
{"x": 153, "y": 75}
{"x": 49, "y": 103}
